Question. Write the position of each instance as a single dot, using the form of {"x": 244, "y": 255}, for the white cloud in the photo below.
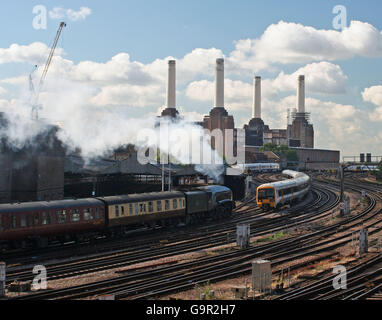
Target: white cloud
{"x": 288, "y": 42}
{"x": 123, "y": 82}
{"x": 2, "y": 91}
{"x": 60, "y": 13}
{"x": 374, "y": 95}
{"x": 35, "y": 53}
{"x": 323, "y": 77}
{"x": 57, "y": 13}
{"x": 78, "y": 15}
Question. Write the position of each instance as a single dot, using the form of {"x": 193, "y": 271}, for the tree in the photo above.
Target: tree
{"x": 282, "y": 151}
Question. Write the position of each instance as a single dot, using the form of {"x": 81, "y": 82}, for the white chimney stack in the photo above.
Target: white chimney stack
{"x": 219, "y": 83}
{"x": 256, "y": 98}
{"x": 171, "y": 84}
{"x": 301, "y": 94}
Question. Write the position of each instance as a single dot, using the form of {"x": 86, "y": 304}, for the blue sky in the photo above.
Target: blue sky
{"x": 151, "y": 30}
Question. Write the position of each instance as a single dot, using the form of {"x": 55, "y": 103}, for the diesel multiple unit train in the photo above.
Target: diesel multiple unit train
{"x": 40, "y": 223}
{"x": 273, "y": 195}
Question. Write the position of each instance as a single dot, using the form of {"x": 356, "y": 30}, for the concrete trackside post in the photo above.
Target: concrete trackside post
{"x": 363, "y": 241}
{"x": 3, "y": 270}
{"x": 243, "y": 235}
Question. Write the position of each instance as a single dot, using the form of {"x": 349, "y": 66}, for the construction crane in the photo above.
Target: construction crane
{"x": 35, "y": 105}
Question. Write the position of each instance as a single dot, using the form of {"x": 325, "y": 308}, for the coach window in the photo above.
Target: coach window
{"x": 122, "y": 210}
{"x": 136, "y": 208}
{"x": 151, "y": 206}
{"x": 61, "y": 216}
{"x": 97, "y": 216}
{"x": 130, "y": 209}
{"x": 174, "y": 204}
{"x": 30, "y": 221}
{"x": 36, "y": 219}
{"x": 45, "y": 218}
{"x": 116, "y": 211}
{"x": 23, "y": 221}
{"x": 14, "y": 222}
{"x": 142, "y": 207}
{"x": 167, "y": 205}
{"x": 159, "y": 205}
{"x": 75, "y": 215}
{"x": 87, "y": 214}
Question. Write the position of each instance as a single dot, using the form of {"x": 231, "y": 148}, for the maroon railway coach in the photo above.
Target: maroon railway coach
{"x": 40, "y": 221}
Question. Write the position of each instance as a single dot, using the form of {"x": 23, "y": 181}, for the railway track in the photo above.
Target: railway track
{"x": 220, "y": 234}
{"x": 364, "y": 280}
{"x": 163, "y": 280}
{"x": 99, "y": 287}
{"x": 203, "y": 237}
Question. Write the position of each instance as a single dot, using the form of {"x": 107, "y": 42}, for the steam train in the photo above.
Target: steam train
{"x": 273, "y": 195}
{"x": 41, "y": 223}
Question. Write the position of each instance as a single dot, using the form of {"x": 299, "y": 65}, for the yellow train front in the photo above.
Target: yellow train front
{"x": 266, "y": 197}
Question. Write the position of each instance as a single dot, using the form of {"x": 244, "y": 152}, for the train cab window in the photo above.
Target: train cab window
{"x": 167, "y": 205}
{"x": 46, "y": 218}
{"x": 266, "y": 194}
{"x": 116, "y": 212}
{"x": 151, "y": 206}
{"x": 23, "y": 221}
{"x": 159, "y": 205}
{"x": 88, "y": 214}
{"x": 14, "y": 222}
{"x": 61, "y": 216}
{"x": 175, "y": 204}
{"x": 75, "y": 215}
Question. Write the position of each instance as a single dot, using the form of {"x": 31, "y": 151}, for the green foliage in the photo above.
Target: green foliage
{"x": 282, "y": 151}
{"x": 206, "y": 289}
{"x": 273, "y": 237}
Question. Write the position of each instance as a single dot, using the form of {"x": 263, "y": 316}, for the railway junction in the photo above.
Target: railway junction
{"x": 303, "y": 243}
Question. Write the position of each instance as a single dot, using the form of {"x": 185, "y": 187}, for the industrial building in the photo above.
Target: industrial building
{"x": 170, "y": 110}
{"x": 218, "y": 117}
{"x": 33, "y": 173}
{"x": 317, "y": 159}
{"x": 300, "y": 132}
{"x": 257, "y": 133}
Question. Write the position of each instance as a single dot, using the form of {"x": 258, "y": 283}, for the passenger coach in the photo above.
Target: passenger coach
{"x": 40, "y": 221}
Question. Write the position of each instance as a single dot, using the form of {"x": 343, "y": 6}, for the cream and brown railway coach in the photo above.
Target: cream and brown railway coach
{"x": 145, "y": 209}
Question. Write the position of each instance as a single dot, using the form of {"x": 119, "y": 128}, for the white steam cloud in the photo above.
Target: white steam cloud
{"x": 97, "y": 131}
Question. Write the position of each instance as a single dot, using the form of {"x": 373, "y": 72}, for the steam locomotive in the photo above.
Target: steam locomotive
{"x": 40, "y": 223}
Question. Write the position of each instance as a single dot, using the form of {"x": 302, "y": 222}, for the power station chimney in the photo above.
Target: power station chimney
{"x": 171, "y": 84}
{"x": 219, "y": 83}
{"x": 301, "y": 94}
{"x": 256, "y": 98}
